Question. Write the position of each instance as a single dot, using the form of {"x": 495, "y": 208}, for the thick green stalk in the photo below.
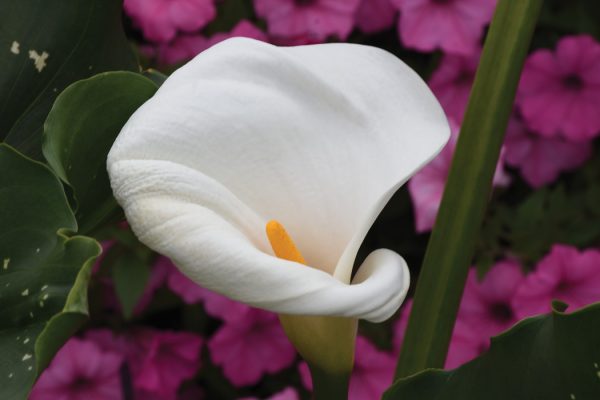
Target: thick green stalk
{"x": 450, "y": 249}
{"x": 328, "y": 386}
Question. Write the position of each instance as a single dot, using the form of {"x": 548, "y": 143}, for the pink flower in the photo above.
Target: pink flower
{"x": 80, "y": 371}
{"x": 486, "y": 305}
{"x": 186, "y": 47}
{"x": 372, "y": 374}
{"x": 542, "y": 159}
{"x": 565, "y": 274}
{"x": 314, "y": 20}
{"x": 159, "y": 361}
{"x": 375, "y": 15}
{"x": 559, "y": 91}
{"x": 455, "y": 26}
{"x": 250, "y": 346}
{"x": 452, "y": 81}
{"x": 485, "y": 310}
{"x": 427, "y": 186}
{"x": 169, "y": 358}
{"x": 286, "y": 394}
{"x": 466, "y": 343}
{"x": 160, "y": 20}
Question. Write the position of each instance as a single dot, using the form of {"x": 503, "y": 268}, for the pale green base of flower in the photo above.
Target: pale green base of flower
{"x": 327, "y": 345}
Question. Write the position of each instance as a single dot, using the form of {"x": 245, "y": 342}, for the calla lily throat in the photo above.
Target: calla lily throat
{"x": 326, "y": 343}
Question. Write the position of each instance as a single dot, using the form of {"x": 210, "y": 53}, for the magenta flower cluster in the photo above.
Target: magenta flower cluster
{"x": 454, "y": 26}
{"x": 552, "y": 127}
{"x": 251, "y": 344}
{"x": 506, "y": 295}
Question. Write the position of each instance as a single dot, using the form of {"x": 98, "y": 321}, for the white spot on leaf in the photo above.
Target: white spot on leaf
{"x": 14, "y": 48}
{"x": 26, "y": 357}
{"x": 44, "y": 288}
{"x": 45, "y": 296}
{"x": 37, "y": 250}
{"x": 25, "y": 292}
{"x": 30, "y": 314}
{"x": 5, "y": 263}
{"x": 29, "y": 368}
{"x": 39, "y": 60}
{"x": 10, "y": 375}
{"x": 26, "y": 341}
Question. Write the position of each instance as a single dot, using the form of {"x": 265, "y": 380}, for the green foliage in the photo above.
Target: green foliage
{"x": 571, "y": 17}
{"x": 130, "y": 274}
{"x": 551, "y": 357}
{"x": 79, "y": 132}
{"x": 44, "y": 273}
{"x": 71, "y": 40}
{"x": 564, "y": 213}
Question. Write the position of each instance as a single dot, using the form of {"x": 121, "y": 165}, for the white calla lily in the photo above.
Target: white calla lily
{"x": 317, "y": 137}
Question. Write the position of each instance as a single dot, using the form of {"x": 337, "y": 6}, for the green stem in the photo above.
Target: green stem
{"x": 450, "y": 249}
{"x": 327, "y": 386}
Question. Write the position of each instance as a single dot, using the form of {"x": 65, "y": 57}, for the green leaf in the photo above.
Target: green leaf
{"x": 551, "y": 357}
{"x": 43, "y": 274}
{"x": 155, "y": 76}
{"x": 452, "y": 243}
{"x": 74, "y": 38}
{"x": 130, "y": 275}
{"x": 80, "y": 130}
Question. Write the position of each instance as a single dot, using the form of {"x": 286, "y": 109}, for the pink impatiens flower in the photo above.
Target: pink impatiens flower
{"x": 455, "y": 26}
{"x": 286, "y": 394}
{"x": 169, "y": 358}
{"x": 313, "y": 20}
{"x": 251, "y": 345}
{"x": 81, "y": 370}
{"x": 160, "y": 20}
{"x": 159, "y": 361}
{"x": 375, "y": 15}
{"x": 485, "y": 310}
{"x": 427, "y": 186}
{"x": 186, "y": 47}
{"x": 565, "y": 274}
{"x": 452, "y": 81}
{"x": 466, "y": 342}
{"x": 486, "y": 304}
{"x": 372, "y": 374}
{"x": 559, "y": 91}
{"x": 542, "y": 159}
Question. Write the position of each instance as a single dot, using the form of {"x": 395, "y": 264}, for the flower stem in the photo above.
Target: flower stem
{"x": 328, "y": 386}
{"x": 450, "y": 249}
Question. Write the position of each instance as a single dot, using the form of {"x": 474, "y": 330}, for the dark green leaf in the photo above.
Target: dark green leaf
{"x": 75, "y": 38}
{"x": 155, "y": 76}
{"x": 43, "y": 275}
{"x": 130, "y": 275}
{"x": 80, "y": 130}
{"x": 552, "y": 357}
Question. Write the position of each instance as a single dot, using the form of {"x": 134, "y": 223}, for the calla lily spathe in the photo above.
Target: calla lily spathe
{"x": 316, "y": 137}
